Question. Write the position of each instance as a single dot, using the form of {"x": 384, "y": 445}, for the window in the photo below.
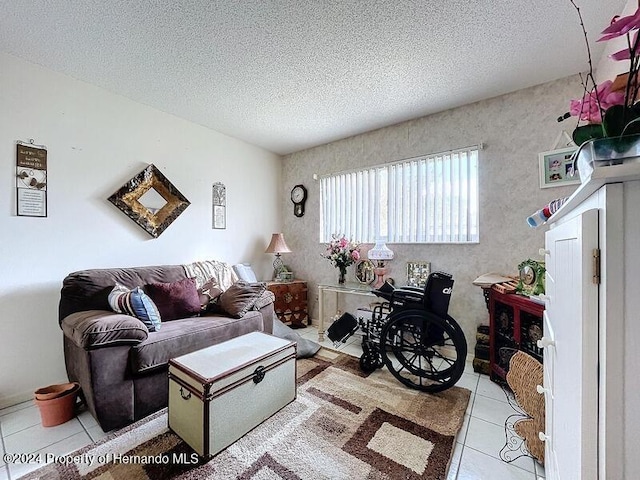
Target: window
{"x": 427, "y": 199}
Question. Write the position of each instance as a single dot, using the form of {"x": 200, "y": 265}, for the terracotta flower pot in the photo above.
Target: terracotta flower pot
{"x": 57, "y": 403}
{"x": 54, "y": 391}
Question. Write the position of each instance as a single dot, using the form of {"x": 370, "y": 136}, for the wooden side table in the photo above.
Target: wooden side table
{"x": 515, "y": 323}
{"x": 291, "y": 302}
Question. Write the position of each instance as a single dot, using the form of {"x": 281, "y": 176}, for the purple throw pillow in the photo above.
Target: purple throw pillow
{"x": 175, "y": 300}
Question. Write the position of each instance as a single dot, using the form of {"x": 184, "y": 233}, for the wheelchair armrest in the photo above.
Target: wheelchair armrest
{"x": 413, "y": 289}
{"x": 382, "y": 294}
{"x": 407, "y": 295}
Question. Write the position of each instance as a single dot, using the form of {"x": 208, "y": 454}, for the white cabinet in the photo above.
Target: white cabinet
{"x": 592, "y": 334}
{"x": 571, "y": 330}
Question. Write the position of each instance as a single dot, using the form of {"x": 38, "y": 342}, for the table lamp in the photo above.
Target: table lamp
{"x": 277, "y": 246}
{"x": 380, "y": 252}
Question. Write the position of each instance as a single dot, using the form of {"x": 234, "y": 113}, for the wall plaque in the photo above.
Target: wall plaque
{"x": 219, "y": 206}
{"x": 31, "y": 180}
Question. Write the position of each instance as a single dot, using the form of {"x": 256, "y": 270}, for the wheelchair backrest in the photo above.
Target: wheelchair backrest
{"x": 437, "y": 293}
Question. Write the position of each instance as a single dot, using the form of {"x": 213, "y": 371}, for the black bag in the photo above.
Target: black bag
{"x": 342, "y": 328}
{"x": 437, "y": 293}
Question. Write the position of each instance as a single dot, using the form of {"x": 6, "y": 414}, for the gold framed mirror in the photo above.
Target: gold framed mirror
{"x": 150, "y": 200}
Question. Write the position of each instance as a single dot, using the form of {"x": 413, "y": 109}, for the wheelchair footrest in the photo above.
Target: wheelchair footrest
{"x": 342, "y": 328}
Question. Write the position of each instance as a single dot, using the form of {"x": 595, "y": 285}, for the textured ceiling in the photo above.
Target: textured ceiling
{"x": 288, "y": 75}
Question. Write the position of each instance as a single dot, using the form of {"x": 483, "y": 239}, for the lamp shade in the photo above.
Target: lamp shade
{"x": 380, "y": 252}
{"x": 277, "y": 245}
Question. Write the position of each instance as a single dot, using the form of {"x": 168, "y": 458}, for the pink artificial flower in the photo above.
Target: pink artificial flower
{"x": 355, "y": 255}
{"x": 621, "y": 26}
{"x": 625, "y": 54}
{"x": 587, "y": 109}
{"x": 343, "y": 242}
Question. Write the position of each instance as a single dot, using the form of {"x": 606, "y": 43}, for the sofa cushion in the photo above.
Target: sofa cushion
{"x": 135, "y": 303}
{"x": 208, "y": 294}
{"x": 89, "y": 289}
{"x": 238, "y": 299}
{"x": 187, "y": 335}
{"x": 265, "y": 299}
{"x": 176, "y": 299}
{"x": 99, "y": 328}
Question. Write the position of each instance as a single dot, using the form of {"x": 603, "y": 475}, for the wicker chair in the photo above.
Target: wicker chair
{"x": 524, "y": 375}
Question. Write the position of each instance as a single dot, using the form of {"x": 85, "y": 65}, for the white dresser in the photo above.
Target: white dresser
{"x": 592, "y": 330}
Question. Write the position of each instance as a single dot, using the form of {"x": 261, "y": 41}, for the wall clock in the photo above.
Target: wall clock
{"x": 298, "y": 197}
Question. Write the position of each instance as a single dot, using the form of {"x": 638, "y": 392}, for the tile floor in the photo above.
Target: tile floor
{"x": 475, "y": 456}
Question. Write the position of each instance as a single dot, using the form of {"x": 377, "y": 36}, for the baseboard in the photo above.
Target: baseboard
{"x": 15, "y": 399}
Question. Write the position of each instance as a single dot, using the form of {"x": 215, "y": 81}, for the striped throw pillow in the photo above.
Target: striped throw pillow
{"x": 137, "y": 304}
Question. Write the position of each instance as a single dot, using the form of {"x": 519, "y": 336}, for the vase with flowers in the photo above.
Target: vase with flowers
{"x": 342, "y": 253}
{"x": 611, "y": 109}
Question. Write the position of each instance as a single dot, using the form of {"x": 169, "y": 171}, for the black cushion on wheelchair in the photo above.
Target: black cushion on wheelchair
{"x": 342, "y": 328}
{"x": 437, "y": 293}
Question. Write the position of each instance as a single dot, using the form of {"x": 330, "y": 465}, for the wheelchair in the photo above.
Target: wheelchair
{"x": 412, "y": 335}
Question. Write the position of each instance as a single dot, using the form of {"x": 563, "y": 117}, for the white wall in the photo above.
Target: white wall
{"x": 514, "y": 128}
{"x": 97, "y": 141}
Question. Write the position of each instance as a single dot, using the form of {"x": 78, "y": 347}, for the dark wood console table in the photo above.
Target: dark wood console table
{"x": 515, "y": 323}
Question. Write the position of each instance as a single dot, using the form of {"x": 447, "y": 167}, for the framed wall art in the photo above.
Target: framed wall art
{"x": 150, "y": 200}
{"x": 31, "y": 179}
{"x": 556, "y": 168}
{"x": 219, "y": 206}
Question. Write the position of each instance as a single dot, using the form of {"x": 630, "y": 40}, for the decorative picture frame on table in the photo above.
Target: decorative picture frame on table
{"x": 531, "y": 278}
{"x": 556, "y": 168}
{"x": 418, "y": 273}
{"x": 364, "y": 272}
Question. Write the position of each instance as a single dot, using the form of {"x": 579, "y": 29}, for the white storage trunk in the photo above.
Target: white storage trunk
{"x": 219, "y": 393}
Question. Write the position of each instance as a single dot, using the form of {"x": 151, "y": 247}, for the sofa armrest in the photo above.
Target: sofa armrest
{"x": 267, "y": 313}
{"x": 265, "y": 299}
{"x": 100, "y": 328}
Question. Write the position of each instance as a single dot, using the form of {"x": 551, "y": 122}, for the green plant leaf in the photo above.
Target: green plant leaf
{"x": 585, "y": 133}
{"x": 619, "y": 122}
{"x": 614, "y": 121}
{"x": 633, "y": 127}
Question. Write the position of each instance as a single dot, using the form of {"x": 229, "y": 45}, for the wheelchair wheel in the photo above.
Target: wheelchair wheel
{"x": 370, "y": 359}
{"x": 368, "y": 363}
{"x": 422, "y": 350}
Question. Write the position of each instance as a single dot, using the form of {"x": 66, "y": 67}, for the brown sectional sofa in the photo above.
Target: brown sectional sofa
{"x": 120, "y": 365}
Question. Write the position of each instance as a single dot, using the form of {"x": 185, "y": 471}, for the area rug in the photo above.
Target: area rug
{"x": 344, "y": 424}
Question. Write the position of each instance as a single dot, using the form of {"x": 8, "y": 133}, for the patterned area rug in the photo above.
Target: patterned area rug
{"x": 343, "y": 425}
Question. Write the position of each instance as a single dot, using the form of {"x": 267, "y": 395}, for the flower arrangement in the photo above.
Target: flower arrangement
{"x": 610, "y": 109}
{"x": 342, "y": 253}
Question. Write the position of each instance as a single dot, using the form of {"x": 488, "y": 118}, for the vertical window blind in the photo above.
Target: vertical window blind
{"x": 427, "y": 199}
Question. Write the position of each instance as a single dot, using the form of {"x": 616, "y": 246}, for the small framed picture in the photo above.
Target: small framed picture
{"x": 556, "y": 168}
{"x": 418, "y": 273}
{"x": 219, "y": 206}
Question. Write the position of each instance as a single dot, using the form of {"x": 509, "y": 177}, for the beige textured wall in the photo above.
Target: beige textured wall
{"x": 514, "y": 128}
